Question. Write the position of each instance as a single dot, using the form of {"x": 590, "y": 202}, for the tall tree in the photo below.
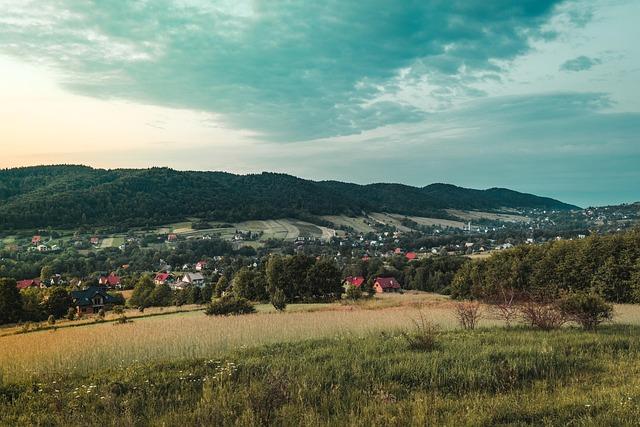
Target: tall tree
{"x": 10, "y": 301}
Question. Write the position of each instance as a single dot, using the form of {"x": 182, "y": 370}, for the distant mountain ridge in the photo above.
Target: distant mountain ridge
{"x": 70, "y": 195}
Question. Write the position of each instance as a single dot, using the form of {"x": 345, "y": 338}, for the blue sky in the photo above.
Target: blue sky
{"x": 539, "y": 96}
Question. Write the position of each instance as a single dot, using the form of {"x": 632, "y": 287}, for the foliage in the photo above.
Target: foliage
{"x": 353, "y": 293}
{"x": 606, "y": 265}
{"x": 70, "y": 195}
{"x": 229, "y": 304}
{"x": 59, "y": 301}
{"x": 542, "y": 313}
{"x": 141, "y": 295}
{"x": 587, "y": 309}
{"x": 71, "y": 313}
{"x": 221, "y": 286}
{"x": 10, "y": 303}
{"x": 278, "y": 300}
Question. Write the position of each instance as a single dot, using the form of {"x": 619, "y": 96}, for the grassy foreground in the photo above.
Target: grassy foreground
{"x": 486, "y": 377}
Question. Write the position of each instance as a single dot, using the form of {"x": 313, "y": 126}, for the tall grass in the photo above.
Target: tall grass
{"x": 482, "y": 377}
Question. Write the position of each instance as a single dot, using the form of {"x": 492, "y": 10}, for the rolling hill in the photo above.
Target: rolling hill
{"x": 69, "y": 195}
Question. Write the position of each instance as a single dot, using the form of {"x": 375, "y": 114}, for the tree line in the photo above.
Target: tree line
{"x": 608, "y": 266}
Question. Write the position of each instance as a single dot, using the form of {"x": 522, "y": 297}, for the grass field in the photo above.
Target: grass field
{"x": 476, "y": 215}
{"x": 484, "y": 377}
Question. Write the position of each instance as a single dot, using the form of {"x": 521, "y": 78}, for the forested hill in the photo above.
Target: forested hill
{"x": 73, "y": 195}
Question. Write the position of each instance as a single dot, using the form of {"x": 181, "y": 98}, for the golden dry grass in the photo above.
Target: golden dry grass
{"x": 177, "y": 336}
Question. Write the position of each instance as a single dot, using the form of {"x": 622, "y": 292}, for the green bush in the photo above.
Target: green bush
{"x": 279, "y": 300}
{"x": 229, "y": 304}
{"x": 586, "y": 309}
{"x": 353, "y": 293}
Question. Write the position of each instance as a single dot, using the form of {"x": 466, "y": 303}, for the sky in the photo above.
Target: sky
{"x": 540, "y": 96}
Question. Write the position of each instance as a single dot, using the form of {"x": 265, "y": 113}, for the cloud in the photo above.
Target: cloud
{"x": 289, "y": 70}
{"x": 581, "y": 63}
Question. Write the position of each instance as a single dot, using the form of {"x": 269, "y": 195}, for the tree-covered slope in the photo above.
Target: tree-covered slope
{"x": 72, "y": 195}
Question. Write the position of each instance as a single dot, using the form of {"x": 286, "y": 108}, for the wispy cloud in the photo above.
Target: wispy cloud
{"x": 581, "y": 63}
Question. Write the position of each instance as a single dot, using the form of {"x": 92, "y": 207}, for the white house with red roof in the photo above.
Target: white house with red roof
{"x": 111, "y": 281}
{"x": 201, "y": 265}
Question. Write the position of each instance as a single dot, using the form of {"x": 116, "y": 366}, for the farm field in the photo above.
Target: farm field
{"x": 476, "y": 215}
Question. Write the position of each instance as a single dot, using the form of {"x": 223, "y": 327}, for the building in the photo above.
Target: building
{"x": 29, "y": 283}
{"x": 195, "y": 279}
{"x": 92, "y": 300}
{"x": 411, "y": 256}
{"x": 386, "y": 284}
{"x": 356, "y": 281}
{"x": 111, "y": 281}
{"x": 163, "y": 278}
{"x": 201, "y": 265}
{"x": 172, "y": 237}
{"x": 35, "y": 240}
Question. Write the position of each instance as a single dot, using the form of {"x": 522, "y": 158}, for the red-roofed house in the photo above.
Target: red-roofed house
{"x": 94, "y": 240}
{"x": 411, "y": 256}
{"x": 356, "y": 281}
{"x": 36, "y": 239}
{"x": 397, "y": 251}
{"x": 172, "y": 237}
{"x": 162, "y": 278}
{"x": 386, "y": 284}
{"x": 112, "y": 281}
{"x": 201, "y": 265}
{"x": 28, "y": 283}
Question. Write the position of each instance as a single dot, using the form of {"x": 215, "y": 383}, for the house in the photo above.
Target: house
{"x": 92, "y": 299}
{"x": 111, "y": 281}
{"x": 172, "y": 237}
{"x": 29, "y": 283}
{"x": 42, "y": 248}
{"x": 386, "y": 284}
{"x": 411, "y": 256}
{"x": 201, "y": 265}
{"x": 397, "y": 251}
{"x": 356, "y": 281}
{"x": 57, "y": 280}
{"x": 163, "y": 278}
{"x": 196, "y": 279}
{"x": 35, "y": 240}
{"x": 94, "y": 240}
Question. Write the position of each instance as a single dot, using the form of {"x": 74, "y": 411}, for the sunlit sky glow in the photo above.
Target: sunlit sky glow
{"x": 540, "y": 96}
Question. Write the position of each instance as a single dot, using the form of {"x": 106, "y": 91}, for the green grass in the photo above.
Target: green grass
{"x": 485, "y": 377}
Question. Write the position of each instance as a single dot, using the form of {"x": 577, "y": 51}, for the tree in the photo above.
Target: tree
{"x": 468, "y": 314}
{"x": 33, "y": 307}
{"x": 221, "y": 286}
{"x": 279, "y": 300}
{"x": 586, "y": 309}
{"x": 46, "y": 272}
{"x": 142, "y": 292}
{"x": 161, "y": 296}
{"x": 58, "y": 302}
{"x": 324, "y": 279}
{"x": 71, "y": 313}
{"x": 276, "y": 275}
{"x": 10, "y": 302}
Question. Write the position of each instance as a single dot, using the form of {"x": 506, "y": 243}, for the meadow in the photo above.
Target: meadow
{"x": 321, "y": 364}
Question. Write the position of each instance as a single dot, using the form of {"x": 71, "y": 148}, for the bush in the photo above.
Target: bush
{"x": 101, "y": 314}
{"x": 542, "y": 314}
{"x": 279, "y": 300}
{"x": 586, "y": 309}
{"x": 353, "y": 293}
{"x": 71, "y": 313}
{"x": 468, "y": 314}
{"x": 229, "y": 304}
{"x": 51, "y": 320}
{"x": 118, "y": 309}
{"x": 424, "y": 336}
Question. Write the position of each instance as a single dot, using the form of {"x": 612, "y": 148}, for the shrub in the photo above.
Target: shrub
{"x": 51, "y": 320}
{"x": 71, "y": 313}
{"x": 279, "y": 300}
{"x": 229, "y": 304}
{"x": 353, "y": 293}
{"x": 118, "y": 309}
{"x": 586, "y": 309}
{"x": 101, "y": 314}
{"x": 542, "y": 314}
{"x": 468, "y": 314}
{"x": 424, "y": 336}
